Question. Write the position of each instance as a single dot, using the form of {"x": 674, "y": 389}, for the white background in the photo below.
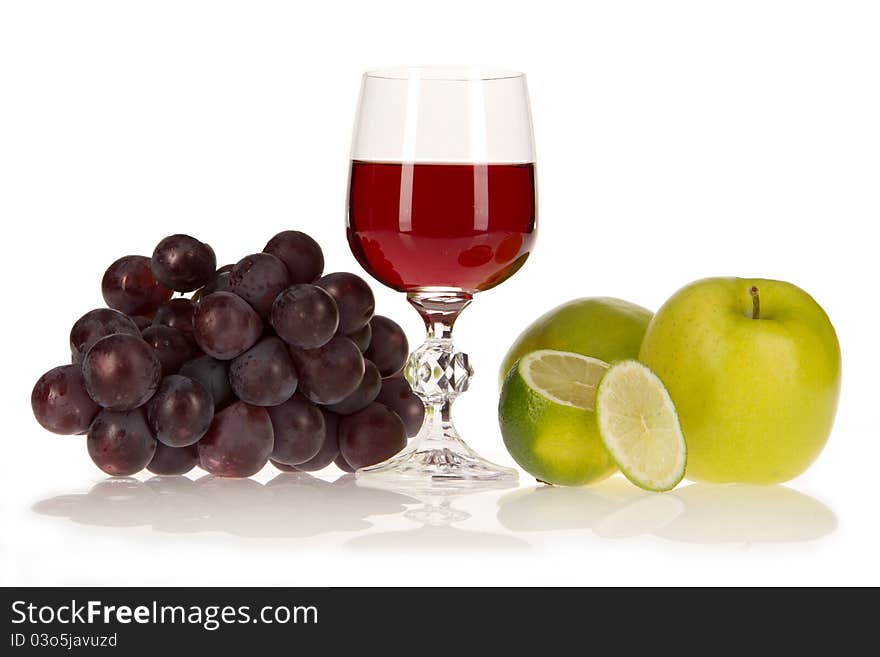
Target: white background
{"x": 675, "y": 140}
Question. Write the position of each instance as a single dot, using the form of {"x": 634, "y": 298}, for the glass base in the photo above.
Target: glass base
{"x": 438, "y": 461}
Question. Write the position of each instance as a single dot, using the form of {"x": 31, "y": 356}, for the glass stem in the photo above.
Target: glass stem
{"x": 435, "y": 371}
{"x": 438, "y": 427}
{"x": 438, "y": 374}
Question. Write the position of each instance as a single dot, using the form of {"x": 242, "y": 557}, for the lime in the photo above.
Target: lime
{"x": 601, "y": 327}
{"x": 547, "y": 418}
{"x": 639, "y": 426}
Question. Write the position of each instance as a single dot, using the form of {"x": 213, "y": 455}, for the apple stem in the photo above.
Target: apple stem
{"x": 756, "y": 302}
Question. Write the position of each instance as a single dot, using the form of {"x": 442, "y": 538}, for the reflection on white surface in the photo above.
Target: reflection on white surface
{"x": 552, "y": 508}
{"x": 748, "y": 514}
{"x": 696, "y": 513}
{"x": 435, "y": 518}
{"x": 430, "y": 538}
{"x": 292, "y": 505}
{"x": 298, "y": 505}
{"x": 641, "y": 516}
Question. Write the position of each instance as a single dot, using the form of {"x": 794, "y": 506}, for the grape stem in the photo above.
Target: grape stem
{"x": 756, "y": 302}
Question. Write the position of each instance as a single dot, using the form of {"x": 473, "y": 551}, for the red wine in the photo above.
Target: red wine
{"x": 464, "y": 226}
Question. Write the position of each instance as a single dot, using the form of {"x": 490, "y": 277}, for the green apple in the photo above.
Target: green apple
{"x": 753, "y": 366}
{"x": 600, "y": 327}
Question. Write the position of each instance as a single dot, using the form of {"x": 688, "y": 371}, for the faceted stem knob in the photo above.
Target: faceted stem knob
{"x": 437, "y": 373}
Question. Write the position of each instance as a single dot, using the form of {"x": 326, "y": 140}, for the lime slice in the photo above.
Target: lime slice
{"x": 547, "y": 419}
{"x": 639, "y": 426}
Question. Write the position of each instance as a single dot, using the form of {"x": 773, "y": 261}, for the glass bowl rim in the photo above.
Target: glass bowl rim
{"x": 436, "y": 73}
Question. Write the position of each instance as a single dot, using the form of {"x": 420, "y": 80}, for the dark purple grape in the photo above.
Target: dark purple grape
{"x": 342, "y": 464}
{"x": 97, "y": 324}
{"x": 284, "y": 467}
{"x": 183, "y": 263}
{"x": 130, "y": 287}
{"x": 264, "y": 374}
{"x": 120, "y": 442}
{"x": 225, "y": 326}
{"x": 329, "y": 450}
{"x": 354, "y": 299}
{"x": 173, "y": 460}
{"x": 171, "y": 347}
{"x": 258, "y": 279}
{"x": 60, "y": 401}
{"x": 121, "y": 372}
{"x": 371, "y": 436}
{"x": 397, "y": 395}
{"x": 362, "y": 337}
{"x": 180, "y": 412}
{"x": 214, "y": 375}
{"x": 142, "y": 321}
{"x": 239, "y": 442}
{"x": 177, "y": 314}
{"x": 363, "y": 395}
{"x": 304, "y": 316}
{"x": 389, "y": 347}
{"x": 219, "y": 284}
{"x": 300, "y": 254}
{"x": 299, "y": 430}
{"x": 330, "y": 373}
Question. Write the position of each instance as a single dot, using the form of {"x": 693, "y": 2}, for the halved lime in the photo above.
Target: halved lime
{"x": 639, "y": 426}
{"x": 547, "y": 419}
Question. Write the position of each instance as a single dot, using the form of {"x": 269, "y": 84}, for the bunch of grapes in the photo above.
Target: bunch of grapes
{"x": 268, "y": 360}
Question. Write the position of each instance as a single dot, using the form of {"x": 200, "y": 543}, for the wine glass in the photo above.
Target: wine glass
{"x": 442, "y": 205}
